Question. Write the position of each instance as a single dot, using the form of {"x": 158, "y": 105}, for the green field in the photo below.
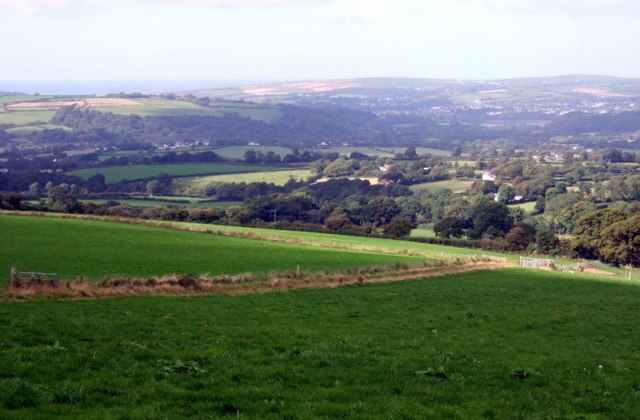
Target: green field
{"x": 161, "y": 107}
{"x": 528, "y": 206}
{"x": 455, "y": 185}
{"x": 345, "y": 241}
{"x": 132, "y": 172}
{"x": 95, "y": 249}
{"x": 382, "y": 151}
{"x": 509, "y": 344}
{"x": 197, "y": 185}
{"x": 422, "y": 232}
{"x": 151, "y": 202}
{"x": 237, "y": 152}
{"x": 26, "y": 117}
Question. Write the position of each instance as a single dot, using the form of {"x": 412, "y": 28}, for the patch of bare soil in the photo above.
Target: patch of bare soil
{"x": 104, "y": 102}
{"x": 597, "y": 271}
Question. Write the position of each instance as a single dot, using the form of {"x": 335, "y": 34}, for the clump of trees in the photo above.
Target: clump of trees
{"x": 611, "y": 235}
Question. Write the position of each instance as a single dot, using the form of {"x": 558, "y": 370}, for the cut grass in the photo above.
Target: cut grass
{"x": 507, "y": 344}
{"x": 97, "y": 248}
{"x": 455, "y": 185}
{"x": 196, "y": 185}
{"x": 132, "y": 172}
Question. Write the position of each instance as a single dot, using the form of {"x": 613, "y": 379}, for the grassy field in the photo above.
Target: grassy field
{"x": 160, "y": 107}
{"x": 381, "y": 244}
{"x": 455, "y": 185}
{"x": 196, "y": 185}
{"x": 510, "y": 344}
{"x": 383, "y": 151}
{"x": 132, "y": 172}
{"x": 528, "y": 206}
{"x": 237, "y": 152}
{"x": 95, "y": 249}
{"x": 151, "y": 202}
{"x": 26, "y": 117}
{"x": 422, "y": 232}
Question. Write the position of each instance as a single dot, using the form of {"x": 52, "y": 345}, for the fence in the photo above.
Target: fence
{"x": 17, "y": 277}
{"x": 536, "y": 263}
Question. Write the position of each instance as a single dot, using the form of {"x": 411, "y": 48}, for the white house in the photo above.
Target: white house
{"x": 488, "y": 176}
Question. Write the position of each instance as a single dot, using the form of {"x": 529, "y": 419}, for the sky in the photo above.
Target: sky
{"x": 280, "y": 40}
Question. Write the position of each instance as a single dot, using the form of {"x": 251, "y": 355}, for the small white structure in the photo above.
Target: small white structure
{"x": 488, "y": 176}
{"x": 536, "y": 263}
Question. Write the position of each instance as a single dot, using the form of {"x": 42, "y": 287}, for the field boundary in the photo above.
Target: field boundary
{"x": 245, "y": 283}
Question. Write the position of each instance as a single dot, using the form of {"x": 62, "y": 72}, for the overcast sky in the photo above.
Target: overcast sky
{"x": 306, "y": 39}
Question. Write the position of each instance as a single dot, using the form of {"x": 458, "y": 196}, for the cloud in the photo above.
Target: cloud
{"x": 574, "y": 7}
{"x": 31, "y": 7}
{"x": 240, "y": 3}
{"x": 356, "y": 8}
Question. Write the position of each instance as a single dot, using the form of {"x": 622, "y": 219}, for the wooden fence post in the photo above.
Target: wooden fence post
{"x": 14, "y": 281}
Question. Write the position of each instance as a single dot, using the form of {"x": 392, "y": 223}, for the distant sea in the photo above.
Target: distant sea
{"x": 103, "y": 87}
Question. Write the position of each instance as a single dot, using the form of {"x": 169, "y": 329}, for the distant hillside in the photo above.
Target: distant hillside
{"x": 580, "y": 123}
{"x": 570, "y": 84}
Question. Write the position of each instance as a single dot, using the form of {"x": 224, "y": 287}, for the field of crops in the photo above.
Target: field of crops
{"x": 196, "y": 185}
{"x": 455, "y": 185}
{"x": 132, "y": 172}
{"x": 95, "y": 249}
{"x": 507, "y": 344}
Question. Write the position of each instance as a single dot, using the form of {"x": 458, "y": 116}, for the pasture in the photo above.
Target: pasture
{"x": 197, "y": 185}
{"x": 528, "y": 206}
{"x": 26, "y": 117}
{"x": 132, "y": 172}
{"x": 382, "y": 151}
{"x": 237, "y": 152}
{"x": 95, "y": 249}
{"x": 162, "y": 107}
{"x": 455, "y": 185}
{"x": 492, "y": 344}
{"x": 147, "y": 202}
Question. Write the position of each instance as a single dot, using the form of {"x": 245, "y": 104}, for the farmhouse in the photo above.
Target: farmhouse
{"x": 488, "y": 176}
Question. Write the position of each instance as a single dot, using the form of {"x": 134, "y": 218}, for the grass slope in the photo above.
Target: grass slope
{"x": 148, "y": 203}
{"x": 118, "y": 173}
{"x": 455, "y": 185}
{"x": 197, "y": 185}
{"x": 95, "y": 249}
{"x": 509, "y": 344}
